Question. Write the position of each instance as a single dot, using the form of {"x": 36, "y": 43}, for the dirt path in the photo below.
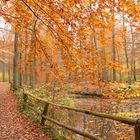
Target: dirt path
{"x": 13, "y": 124}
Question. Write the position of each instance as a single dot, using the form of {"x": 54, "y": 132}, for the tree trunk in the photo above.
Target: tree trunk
{"x": 25, "y": 58}
{"x": 3, "y": 69}
{"x": 113, "y": 42}
{"x": 125, "y": 50}
{"x": 20, "y": 75}
{"x": 15, "y": 63}
{"x": 133, "y": 59}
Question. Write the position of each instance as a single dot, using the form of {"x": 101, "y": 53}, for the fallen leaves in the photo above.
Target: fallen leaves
{"x": 13, "y": 124}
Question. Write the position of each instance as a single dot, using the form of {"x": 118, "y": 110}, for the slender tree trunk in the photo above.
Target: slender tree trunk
{"x": 127, "y": 64}
{"x": 118, "y": 57}
{"x": 33, "y": 49}
{"x": 20, "y": 75}
{"x": 15, "y": 63}
{"x": 133, "y": 58}
{"x": 9, "y": 72}
{"x": 25, "y": 59}
{"x": 113, "y": 42}
{"x": 82, "y": 74}
{"x": 125, "y": 50}
{"x": 20, "y": 61}
{"x": 104, "y": 70}
{"x": 3, "y": 69}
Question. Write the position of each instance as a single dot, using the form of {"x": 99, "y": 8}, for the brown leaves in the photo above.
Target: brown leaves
{"x": 13, "y": 124}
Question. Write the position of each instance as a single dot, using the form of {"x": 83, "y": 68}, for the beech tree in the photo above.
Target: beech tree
{"x": 74, "y": 41}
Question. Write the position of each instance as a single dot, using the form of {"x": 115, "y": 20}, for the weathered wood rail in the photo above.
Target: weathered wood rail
{"x": 126, "y": 120}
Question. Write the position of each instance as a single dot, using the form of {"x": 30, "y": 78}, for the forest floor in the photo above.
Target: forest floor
{"x": 13, "y": 124}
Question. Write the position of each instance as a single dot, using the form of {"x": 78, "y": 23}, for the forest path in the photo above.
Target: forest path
{"x": 13, "y": 124}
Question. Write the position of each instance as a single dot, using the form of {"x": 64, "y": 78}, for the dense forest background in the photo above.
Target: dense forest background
{"x": 81, "y": 41}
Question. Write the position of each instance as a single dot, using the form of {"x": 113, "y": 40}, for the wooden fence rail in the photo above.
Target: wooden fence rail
{"x": 126, "y": 120}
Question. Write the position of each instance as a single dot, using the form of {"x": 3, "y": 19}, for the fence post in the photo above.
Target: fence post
{"x": 137, "y": 130}
{"x": 44, "y": 113}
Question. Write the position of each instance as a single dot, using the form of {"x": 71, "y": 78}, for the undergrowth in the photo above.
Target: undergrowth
{"x": 57, "y": 95}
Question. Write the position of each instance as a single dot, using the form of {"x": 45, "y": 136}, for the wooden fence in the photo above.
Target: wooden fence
{"x": 126, "y": 120}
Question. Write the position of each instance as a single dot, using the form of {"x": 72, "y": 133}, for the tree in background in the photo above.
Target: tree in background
{"x": 74, "y": 41}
